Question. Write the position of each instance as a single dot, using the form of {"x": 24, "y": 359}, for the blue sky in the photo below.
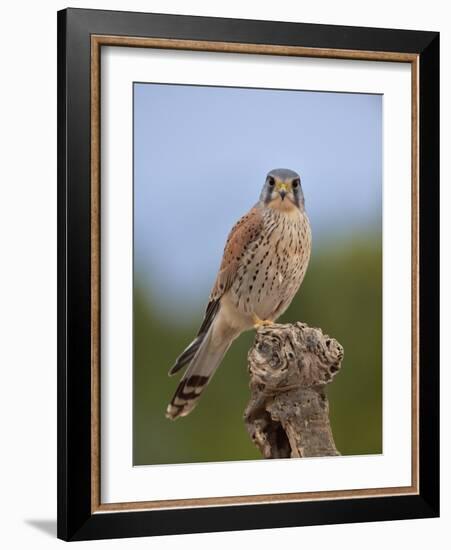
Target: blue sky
{"x": 201, "y": 155}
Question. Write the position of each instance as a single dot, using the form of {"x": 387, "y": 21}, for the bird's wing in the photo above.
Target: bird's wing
{"x": 243, "y": 233}
{"x": 246, "y": 230}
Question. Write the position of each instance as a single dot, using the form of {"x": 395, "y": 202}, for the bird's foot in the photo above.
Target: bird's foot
{"x": 261, "y": 322}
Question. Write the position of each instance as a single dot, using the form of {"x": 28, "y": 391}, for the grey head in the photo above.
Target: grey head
{"x": 283, "y": 184}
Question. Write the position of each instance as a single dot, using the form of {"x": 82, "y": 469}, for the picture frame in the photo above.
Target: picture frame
{"x": 81, "y": 36}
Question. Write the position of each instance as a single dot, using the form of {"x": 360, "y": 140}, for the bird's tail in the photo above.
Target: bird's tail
{"x": 208, "y": 356}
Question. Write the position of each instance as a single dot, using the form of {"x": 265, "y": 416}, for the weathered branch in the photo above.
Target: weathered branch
{"x": 288, "y": 413}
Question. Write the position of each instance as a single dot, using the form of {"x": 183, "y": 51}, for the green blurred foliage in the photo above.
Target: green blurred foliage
{"x": 341, "y": 294}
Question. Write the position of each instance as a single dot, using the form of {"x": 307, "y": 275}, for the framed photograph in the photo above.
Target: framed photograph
{"x": 251, "y": 207}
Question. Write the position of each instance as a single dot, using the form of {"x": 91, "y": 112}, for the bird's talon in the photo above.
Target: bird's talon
{"x": 258, "y": 323}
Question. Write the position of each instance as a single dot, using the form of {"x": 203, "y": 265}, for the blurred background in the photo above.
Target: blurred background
{"x": 201, "y": 155}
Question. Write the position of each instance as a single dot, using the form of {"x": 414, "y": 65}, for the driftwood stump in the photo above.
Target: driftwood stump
{"x": 288, "y": 412}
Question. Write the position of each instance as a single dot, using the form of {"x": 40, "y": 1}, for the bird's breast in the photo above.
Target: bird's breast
{"x": 273, "y": 265}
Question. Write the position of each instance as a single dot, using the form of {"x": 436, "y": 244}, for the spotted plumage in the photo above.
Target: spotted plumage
{"x": 264, "y": 262}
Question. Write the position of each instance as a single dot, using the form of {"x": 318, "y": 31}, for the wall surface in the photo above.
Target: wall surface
{"x": 28, "y": 274}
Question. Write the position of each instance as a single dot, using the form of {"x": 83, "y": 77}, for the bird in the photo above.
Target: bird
{"x": 265, "y": 259}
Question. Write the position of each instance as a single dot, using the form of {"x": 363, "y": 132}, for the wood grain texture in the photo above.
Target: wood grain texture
{"x": 288, "y": 412}
{"x": 95, "y": 276}
{"x": 415, "y": 270}
{"x": 127, "y": 41}
{"x": 263, "y": 49}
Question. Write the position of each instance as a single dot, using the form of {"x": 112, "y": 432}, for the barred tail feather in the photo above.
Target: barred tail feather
{"x": 199, "y": 373}
{"x": 188, "y": 354}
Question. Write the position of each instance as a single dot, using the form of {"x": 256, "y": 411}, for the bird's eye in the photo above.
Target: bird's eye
{"x": 295, "y": 184}
{"x": 271, "y": 182}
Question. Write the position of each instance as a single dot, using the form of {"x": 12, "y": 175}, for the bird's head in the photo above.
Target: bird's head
{"x": 282, "y": 190}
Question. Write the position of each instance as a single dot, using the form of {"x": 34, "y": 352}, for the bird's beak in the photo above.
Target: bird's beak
{"x": 282, "y": 188}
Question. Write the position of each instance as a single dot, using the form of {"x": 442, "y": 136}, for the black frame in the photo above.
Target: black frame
{"x": 75, "y": 520}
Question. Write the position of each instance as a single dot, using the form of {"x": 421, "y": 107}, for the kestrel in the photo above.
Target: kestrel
{"x": 264, "y": 262}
